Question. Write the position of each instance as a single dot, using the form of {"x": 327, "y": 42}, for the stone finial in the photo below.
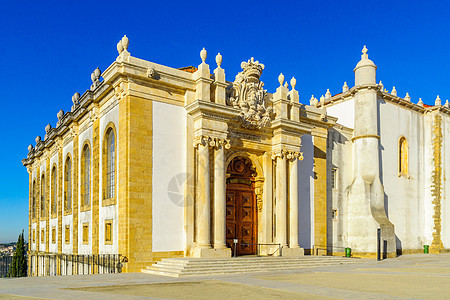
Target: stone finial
{"x": 286, "y": 84}
{"x": 75, "y": 98}
{"x": 47, "y": 128}
{"x": 119, "y": 47}
{"x": 322, "y": 99}
{"x": 122, "y": 45}
{"x": 219, "y": 59}
{"x": 328, "y": 94}
{"x": 394, "y": 91}
{"x": 437, "y": 101}
{"x": 125, "y": 42}
{"x": 381, "y": 85}
{"x": 95, "y": 77}
{"x": 30, "y": 148}
{"x": 364, "y": 53}
{"x": 293, "y": 82}
{"x": 60, "y": 115}
{"x": 420, "y": 103}
{"x": 345, "y": 87}
{"x": 313, "y": 101}
{"x": 203, "y": 54}
{"x": 281, "y": 79}
{"x": 446, "y": 103}
{"x": 407, "y": 97}
{"x": 37, "y": 139}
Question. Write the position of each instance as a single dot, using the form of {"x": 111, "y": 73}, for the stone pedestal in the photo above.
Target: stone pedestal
{"x": 212, "y": 253}
{"x": 293, "y": 252}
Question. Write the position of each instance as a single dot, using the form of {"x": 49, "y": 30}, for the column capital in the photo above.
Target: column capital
{"x": 211, "y": 142}
{"x": 288, "y": 154}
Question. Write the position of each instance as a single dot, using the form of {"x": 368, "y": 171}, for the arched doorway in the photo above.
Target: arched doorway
{"x": 241, "y": 211}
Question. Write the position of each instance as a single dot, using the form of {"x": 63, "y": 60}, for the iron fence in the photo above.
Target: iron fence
{"x": 70, "y": 264}
{"x": 5, "y": 265}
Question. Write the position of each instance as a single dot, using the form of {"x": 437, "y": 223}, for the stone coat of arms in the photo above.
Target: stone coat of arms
{"x": 249, "y": 96}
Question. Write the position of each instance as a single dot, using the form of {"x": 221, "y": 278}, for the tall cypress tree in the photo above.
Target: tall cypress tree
{"x": 19, "y": 262}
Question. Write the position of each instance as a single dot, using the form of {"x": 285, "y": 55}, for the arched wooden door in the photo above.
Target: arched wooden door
{"x": 241, "y": 206}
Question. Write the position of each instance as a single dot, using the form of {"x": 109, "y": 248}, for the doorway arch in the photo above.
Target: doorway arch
{"x": 241, "y": 206}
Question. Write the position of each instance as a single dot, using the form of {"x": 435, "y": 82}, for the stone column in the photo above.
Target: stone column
{"x": 219, "y": 198}
{"x": 293, "y": 202}
{"x": 281, "y": 209}
{"x": 203, "y": 196}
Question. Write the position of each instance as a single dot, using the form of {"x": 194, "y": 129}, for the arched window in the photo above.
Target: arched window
{"x": 54, "y": 191}
{"x": 68, "y": 185}
{"x": 110, "y": 165}
{"x": 33, "y": 203}
{"x": 403, "y": 156}
{"x": 86, "y": 175}
{"x": 43, "y": 196}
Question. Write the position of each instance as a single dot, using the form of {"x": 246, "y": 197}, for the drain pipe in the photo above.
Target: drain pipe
{"x": 379, "y": 244}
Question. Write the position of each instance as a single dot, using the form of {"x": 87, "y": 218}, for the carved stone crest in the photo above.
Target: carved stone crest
{"x": 249, "y": 96}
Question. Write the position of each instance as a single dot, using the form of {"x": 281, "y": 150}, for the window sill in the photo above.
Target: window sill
{"x": 109, "y": 201}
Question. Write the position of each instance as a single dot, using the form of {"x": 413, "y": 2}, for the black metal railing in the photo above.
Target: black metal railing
{"x": 258, "y": 248}
{"x": 5, "y": 265}
{"x": 74, "y": 264}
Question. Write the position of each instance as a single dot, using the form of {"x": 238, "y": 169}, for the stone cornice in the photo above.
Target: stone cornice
{"x": 386, "y": 97}
{"x": 151, "y": 72}
{"x": 67, "y": 120}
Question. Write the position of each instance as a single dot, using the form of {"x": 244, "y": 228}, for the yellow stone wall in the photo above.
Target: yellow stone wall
{"x": 95, "y": 185}
{"x": 320, "y": 187}
{"x": 135, "y": 181}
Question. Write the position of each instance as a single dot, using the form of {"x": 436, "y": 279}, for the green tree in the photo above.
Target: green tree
{"x": 19, "y": 262}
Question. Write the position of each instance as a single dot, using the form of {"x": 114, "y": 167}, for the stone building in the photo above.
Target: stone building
{"x": 154, "y": 162}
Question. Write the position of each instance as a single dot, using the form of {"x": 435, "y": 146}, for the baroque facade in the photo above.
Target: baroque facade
{"x": 154, "y": 162}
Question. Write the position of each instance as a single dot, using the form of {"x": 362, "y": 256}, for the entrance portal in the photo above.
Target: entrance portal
{"x": 241, "y": 206}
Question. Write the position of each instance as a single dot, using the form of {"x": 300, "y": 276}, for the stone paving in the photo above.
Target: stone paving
{"x": 407, "y": 277}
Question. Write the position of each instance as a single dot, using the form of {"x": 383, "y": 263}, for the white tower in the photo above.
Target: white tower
{"x": 366, "y": 211}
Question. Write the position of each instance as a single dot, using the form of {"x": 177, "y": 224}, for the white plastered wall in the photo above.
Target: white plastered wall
{"x": 339, "y": 152}
{"x": 84, "y": 216}
{"x": 445, "y": 205}
{"x": 403, "y": 194}
{"x": 109, "y": 212}
{"x": 428, "y": 167}
{"x": 53, "y": 247}
{"x": 67, "y": 220}
{"x": 306, "y": 194}
{"x": 169, "y": 177}
{"x": 344, "y": 111}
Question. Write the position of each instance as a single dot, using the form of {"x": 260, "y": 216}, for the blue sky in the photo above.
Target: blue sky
{"x": 49, "y": 50}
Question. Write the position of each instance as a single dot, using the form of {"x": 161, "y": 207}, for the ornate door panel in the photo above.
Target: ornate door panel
{"x": 241, "y": 211}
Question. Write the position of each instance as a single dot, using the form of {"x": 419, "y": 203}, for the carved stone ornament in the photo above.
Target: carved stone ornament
{"x": 249, "y": 96}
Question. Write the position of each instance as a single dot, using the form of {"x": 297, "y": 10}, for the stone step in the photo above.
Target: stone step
{"x": 177, "y": 267}
{"x": 253, "y": 264}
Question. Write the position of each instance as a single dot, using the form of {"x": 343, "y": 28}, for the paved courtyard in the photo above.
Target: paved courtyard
{"x": 407, "y": 277}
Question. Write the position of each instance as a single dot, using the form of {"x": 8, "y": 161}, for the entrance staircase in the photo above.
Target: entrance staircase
{"x": 178, "y": 267}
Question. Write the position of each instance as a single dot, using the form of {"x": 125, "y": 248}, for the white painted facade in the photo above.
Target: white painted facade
{"x": 408, "y": 200}
{"x": 169, "y": 177}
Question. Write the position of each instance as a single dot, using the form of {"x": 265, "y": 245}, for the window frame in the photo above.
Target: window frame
{"x": 68, "y": 185}
{"x": 109, "y": 166}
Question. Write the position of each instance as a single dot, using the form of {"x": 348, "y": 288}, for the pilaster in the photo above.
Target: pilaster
{"x": 135, "y": 181}
{"x": 281, "y": 199}
{"x": 96, "y": 194}
{"x": 75, "y": 200}
{"x": 436, "y": 187}
{"x": 60, "y": 206}
{"x": 320, "y": 186}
